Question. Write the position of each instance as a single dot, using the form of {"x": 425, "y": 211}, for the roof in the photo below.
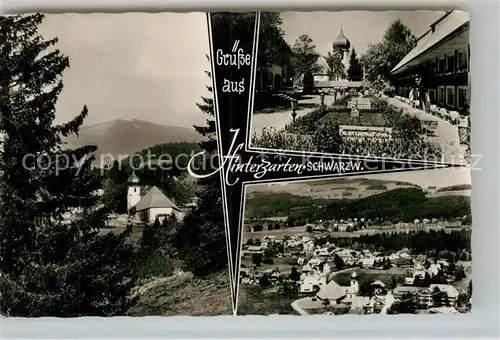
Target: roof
{"x": 400, "y": 290}
{"x": 341, "y": 41}
{"x": 448, "y": 289}
{"x": 331, "y": 291}
{"x": 154, "y": 198}
{"x": 378, "y": 283}
{"x": 444, "y": 27}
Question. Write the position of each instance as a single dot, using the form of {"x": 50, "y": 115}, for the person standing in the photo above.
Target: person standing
{"x": 421, "y": 93}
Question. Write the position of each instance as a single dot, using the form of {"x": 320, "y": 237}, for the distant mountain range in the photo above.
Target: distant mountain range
{"x": 125, "y": 137}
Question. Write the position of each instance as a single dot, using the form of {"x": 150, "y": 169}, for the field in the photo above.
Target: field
{"x": 326, "y": 189}
{"x": 254, "y": 300}
{"x": 279, "y": 234}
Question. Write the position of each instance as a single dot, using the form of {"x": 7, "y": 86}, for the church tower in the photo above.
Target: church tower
{"x": 343, "y": 45}
{"x": 134, "y": 191}
{"x": 354, "y": 283}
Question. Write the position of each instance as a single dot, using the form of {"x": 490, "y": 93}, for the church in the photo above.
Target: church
{"x": 341, "y": 45}
{"x": 336, "y": 294}
{"x": 149, "y": 201}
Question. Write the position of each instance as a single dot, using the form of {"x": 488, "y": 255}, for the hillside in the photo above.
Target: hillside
{"x": 185, "y": 295}
{"x": 124, "y": 137}
{"x": 339, "y": 188}
{"x": 402, "y": 204}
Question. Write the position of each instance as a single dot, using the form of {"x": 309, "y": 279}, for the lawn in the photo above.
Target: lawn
{"x": 279, "y": 234}
{"x": 253, "y": 301}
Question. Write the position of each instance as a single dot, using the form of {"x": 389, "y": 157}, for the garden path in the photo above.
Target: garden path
{"x": 278, "y": 120}
{"x": 447, "y": 133}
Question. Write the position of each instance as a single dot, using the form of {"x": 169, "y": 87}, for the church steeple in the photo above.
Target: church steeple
{"x": 341, "y": 41}
{"x": 133, "y": 179}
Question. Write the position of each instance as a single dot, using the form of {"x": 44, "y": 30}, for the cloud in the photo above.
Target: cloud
{"x": 132, "y": 65}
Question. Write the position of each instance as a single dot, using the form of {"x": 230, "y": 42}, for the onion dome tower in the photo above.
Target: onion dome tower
{"x": 343, "y": 45}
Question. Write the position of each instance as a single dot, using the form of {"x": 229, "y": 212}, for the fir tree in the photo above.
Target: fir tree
{"x": 202, "y": 240}
{"x": 355, "y": 70}
{"x": 49, "y": 267}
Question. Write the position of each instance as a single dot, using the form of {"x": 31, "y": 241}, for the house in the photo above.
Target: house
{"x": 421, "y": 295}
{"x": 442, "y": 59}
{"x": 378, "y": 287}
{"x": 450, "y": 291}
{"x": 403, "y": 262}
{"x": 312, "y": 283}
{"x": 336, "y": 294}
{"x": 368, "y": 262}
{"x": 409, "y": 280}
{"x": 269, "y": 239}
{"x": 255, "y": 249}
{"x": 332, "y": 292}
{"x": 322, "y": 252}
{"x": 149, "y": 201}
{"x": 434, "y": 269}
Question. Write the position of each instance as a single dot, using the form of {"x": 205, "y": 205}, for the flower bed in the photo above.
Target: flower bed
{"x": 318, "y": 131}
{"x": 271, "y": 138}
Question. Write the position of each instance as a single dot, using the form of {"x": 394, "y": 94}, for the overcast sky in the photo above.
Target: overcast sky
{"x": 151, "y": 66}
{"x": 360, "y": 27}
{"x": 124, "y": 66}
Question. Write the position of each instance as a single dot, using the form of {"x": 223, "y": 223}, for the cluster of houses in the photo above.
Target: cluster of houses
{"x": 361, "y": 224}
{"x": 317, "y": 267}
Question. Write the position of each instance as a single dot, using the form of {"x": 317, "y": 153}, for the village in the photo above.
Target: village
{"x": 329, "y": 279}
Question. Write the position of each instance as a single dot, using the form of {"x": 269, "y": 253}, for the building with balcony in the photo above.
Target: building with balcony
{"x": 441, "y": 61}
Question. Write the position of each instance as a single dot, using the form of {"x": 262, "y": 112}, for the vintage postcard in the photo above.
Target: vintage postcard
{"x": 205, "y": 164}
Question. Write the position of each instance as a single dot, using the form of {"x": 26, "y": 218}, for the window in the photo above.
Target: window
{"x": 462, "y": 60}
{"x": 433, "y": 68}
{"x": 450, "y": 96}
{"x": 461, "y": 96}
{"x": 450, "y": 64}
{"x": 441, "y": 64}
{"x": 468, "y": 57}
{"x": 441, "y": 94}
{"x": 432, "y": 95}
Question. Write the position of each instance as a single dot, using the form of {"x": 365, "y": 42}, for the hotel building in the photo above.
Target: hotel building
{"x": 441, "y": 60}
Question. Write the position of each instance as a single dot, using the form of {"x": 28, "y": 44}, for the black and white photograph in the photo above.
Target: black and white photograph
{"x": 100, "y": 115}
{"x": 387, "y": 243}
{"x": 364, "y": 83}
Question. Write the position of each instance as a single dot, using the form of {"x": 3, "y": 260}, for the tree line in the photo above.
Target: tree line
{"x": 454, "y": 245}
{"x": 398, "y": 205}
{"x": 303, "y": 60}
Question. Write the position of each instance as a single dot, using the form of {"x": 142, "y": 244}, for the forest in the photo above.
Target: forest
{"x": 398, "y": 205}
